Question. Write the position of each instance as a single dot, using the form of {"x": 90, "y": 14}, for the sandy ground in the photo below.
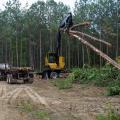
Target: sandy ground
{"x": 82, "y": 102}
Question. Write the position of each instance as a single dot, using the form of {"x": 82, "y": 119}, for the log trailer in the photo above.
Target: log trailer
{"x": 20, "y": 75}
{"x": 16, "y": 74}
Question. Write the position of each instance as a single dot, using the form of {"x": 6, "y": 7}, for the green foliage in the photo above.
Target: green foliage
{"x": 84, "y": 75}
{"x": 115, "y": 90}
{"x": 20, "y": 30}
{"x": 65, "y": 83}
{"x": 26, "y": 107}
{"x": 41, "y": 115}
{"x": 112, "y": 115}
{"x": 34, "y": 110}
{"x": 104, "y": 76}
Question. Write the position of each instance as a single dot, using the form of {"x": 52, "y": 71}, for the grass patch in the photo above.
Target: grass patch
{"x": 106, "y": 76}
{"x": 111, "y": 115}
{"x": 34, "y": 111}
{"x": 65, "y": 83}
{"x": 115, "y": 90}
{"x": 41, "y": 115}
{"x": 26, "y": 106}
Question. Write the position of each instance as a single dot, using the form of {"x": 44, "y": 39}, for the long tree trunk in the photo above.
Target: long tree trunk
{"x": 40, "y": 53}
{"x": 84, "y": 35}
{"x": 16, "y": 46}
{"x": 30, "y": 52}
{"x": 103, "y": 55}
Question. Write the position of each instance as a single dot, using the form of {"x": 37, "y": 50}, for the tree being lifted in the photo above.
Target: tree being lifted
{"x": 68, "y": 27}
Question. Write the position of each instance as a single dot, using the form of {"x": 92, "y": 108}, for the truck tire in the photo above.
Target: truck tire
{"x": 30, "y": 80}
{"x": 27, "y": 81}
{"x": 9, "y": 78}
{"x": 53, "y": 75}
{"x": 45, "y": 75}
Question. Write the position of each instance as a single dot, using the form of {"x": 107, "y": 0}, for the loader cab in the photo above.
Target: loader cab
{"x": 53, "y": 61}
{"x": 52, "y": 58}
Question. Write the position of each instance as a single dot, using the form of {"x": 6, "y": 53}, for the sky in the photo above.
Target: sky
{"x": 23, "y": 2}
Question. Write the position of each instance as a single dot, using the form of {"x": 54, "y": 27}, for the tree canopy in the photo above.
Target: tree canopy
{"x": 27, "y": 34}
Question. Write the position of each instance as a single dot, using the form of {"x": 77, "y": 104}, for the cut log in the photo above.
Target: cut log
{"x": 91, "y": 37}
{"x": 100, "y": 53}
{"x": 85, "y": 24}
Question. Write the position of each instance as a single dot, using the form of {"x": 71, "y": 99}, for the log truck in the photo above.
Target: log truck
{"x": 16, "y": 74}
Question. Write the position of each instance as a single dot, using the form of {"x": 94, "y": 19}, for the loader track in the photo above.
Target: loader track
{"x": 2, "y": 91}
{"x": 15, "y": 94}
{"x": 35, "y": 96}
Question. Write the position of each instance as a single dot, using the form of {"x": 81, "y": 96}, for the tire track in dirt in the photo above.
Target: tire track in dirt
{"x": 9, "y": 94}
{"x": 80, "y": 107}
{"x": 88, "y": 106}
{"x": 3, "y": 91}
{"x": 36, "y": 97}
{"x": 85, "y": 108}
{"x": 14, "y": 96}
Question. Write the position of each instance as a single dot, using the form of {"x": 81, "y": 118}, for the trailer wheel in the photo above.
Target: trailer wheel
{"x": 30, "y": 80}
{"x": 45, "y": 75}
{"x": 53, "y": 75}
{"x": 9, "y": 78}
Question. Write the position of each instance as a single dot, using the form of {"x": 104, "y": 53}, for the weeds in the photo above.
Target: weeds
{"x": 34, "y": 111}
{"x": 114, "y": 90}
{"x": 111, "y": 115}
{"x": 26, "y": 106}
{"x": 106, "y": 76}
{"x": 41, "y": 115}
{"x": 65, "y": 83}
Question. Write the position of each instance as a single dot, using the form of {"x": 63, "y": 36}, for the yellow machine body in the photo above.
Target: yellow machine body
{"x": 54, "y": 62}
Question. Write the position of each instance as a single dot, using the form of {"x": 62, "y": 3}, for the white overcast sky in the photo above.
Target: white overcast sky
{"x": 23, "y": 2}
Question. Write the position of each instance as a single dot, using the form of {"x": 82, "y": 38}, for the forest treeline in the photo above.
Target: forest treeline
{"x": 27, "y": 34}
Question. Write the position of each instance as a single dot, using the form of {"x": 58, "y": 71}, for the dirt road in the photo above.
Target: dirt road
{"x": 79, "y": 103}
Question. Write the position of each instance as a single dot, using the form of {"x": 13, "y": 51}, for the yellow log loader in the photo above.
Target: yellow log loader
{"x": 54, "y": 61}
